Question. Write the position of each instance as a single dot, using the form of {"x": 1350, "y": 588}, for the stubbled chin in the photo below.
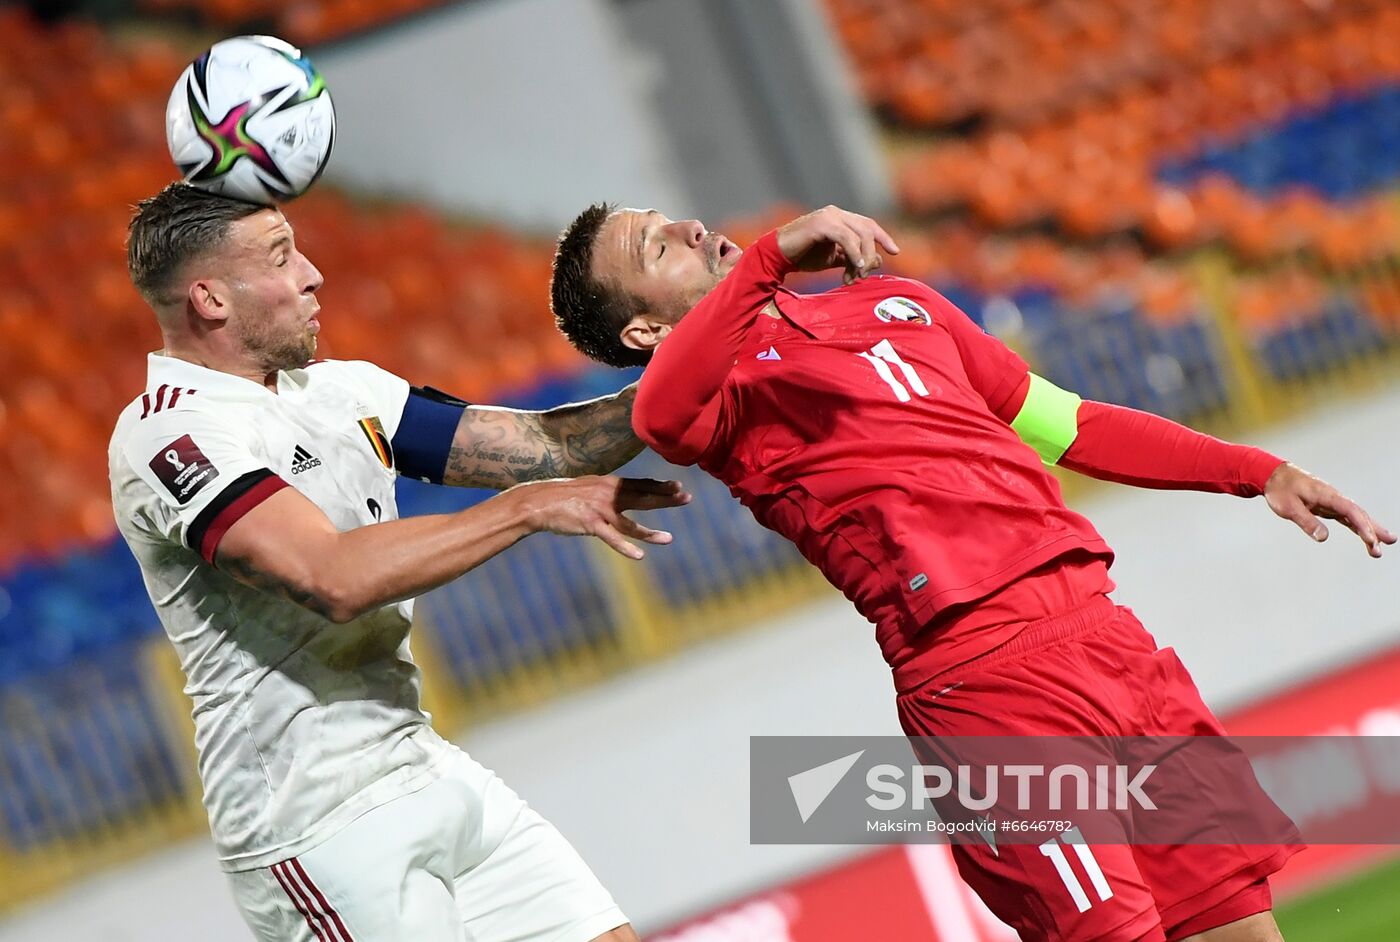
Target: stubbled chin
{"x": 306, "y": 354}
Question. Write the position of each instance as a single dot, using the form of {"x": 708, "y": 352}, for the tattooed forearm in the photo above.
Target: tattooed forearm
{"x": 596, "y": 437}
{"x": 499, "y": 448}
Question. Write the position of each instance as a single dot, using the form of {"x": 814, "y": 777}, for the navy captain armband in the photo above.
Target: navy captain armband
{"x": 426, "y": 429}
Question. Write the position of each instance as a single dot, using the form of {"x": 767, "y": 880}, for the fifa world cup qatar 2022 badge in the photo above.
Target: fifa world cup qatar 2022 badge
{"x": 902, "y": 309}
{"x": 183, "y": 469}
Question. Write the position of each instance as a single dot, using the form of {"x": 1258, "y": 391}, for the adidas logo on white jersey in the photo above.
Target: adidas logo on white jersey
{"x": 302, "y": 460}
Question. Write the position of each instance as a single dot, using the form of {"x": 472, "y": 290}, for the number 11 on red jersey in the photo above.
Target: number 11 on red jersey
{"x": 882, "y": 356}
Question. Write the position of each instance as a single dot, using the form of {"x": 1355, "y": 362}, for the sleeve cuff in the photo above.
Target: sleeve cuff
{"x": 1258, "y": 467}
{"x": 775, "y": 263}
{"x": 228, "y": 507}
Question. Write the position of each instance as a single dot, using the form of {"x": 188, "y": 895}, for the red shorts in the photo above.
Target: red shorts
{"x": 1094, "y": 671}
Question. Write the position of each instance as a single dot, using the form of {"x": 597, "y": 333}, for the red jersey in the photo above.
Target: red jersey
{"x": 859, "y": 424}
{"x": 862, "y": 424}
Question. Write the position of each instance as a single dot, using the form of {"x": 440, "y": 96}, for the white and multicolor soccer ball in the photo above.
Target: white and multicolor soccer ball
{"x": 251, "y": 118}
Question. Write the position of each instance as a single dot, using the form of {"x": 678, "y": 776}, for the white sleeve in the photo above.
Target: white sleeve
{"x": 386, "y": 392}
{"x": 204, "y": 472}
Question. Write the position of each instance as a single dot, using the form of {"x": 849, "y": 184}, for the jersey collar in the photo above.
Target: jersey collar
{"x": 177, "y": 372}
{"x": 802, "y": 312}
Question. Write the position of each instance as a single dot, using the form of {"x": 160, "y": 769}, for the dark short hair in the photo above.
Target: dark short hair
{"x": 178, "y": 224}
{"x": 590, "y": 312}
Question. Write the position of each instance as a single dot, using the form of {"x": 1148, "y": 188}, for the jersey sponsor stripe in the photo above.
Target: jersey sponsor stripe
{"x": 294, "y": 895}
{"x": 145, "y": 404}
{"x": 228, "y": 508}
{"x": 321, "y": 899}
{"x": 174, "y": 396}
{"x": 160, "y": 396}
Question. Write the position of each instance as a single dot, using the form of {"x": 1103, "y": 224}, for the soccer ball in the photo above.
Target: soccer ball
{"x": 251, "y": 118}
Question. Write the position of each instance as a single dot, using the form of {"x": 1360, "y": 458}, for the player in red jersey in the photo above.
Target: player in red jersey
{"x": 902, "y": 449}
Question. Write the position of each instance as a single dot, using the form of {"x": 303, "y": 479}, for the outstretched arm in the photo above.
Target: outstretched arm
{"x": 1115, "y": 443}
{"x": 679, "y": 396}
{"x": 499, "y": 448}
{"x": 287, "y": 547}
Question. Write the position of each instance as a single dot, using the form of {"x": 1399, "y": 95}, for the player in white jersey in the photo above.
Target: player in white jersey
{"x": 256, "y": 489}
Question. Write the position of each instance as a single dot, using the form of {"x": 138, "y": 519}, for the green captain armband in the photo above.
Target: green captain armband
{"x": 1048, "y": 420}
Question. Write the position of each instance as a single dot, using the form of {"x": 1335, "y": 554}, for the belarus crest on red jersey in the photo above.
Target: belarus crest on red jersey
{"x": 901, "y": 309}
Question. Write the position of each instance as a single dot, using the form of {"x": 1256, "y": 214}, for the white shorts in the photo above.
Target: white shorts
{"x": 462, "y": 860}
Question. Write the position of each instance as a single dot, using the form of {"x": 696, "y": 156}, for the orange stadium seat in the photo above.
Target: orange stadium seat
{"x": 1032, "y": 139}
{"x": 1077, "y": 103}
{"x": 301, "y": 21}
{"x": 468, "y": 312}
{"x": 1142, "y": 82}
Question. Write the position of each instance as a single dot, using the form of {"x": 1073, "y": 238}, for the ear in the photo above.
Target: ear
{"x": 209, "y": 299}
{"x": 644, "y": 332}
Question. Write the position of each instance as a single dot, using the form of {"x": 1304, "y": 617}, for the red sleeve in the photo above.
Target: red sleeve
{"x": 678, "y": 400}
{"x": 1131, "y": 447}
{"x": 996, "y": 371}
{"x": 1114, "y": 443}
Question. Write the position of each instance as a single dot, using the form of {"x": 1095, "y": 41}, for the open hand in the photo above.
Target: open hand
{"x": 1296, "y": 495}
{"x": 832, "y": 237}
{"x": 594, "y": 505}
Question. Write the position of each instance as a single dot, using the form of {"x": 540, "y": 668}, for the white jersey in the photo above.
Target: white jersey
{"x": 301, "y": 724}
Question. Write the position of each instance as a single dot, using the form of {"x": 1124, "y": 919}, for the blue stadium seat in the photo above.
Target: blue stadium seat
{"x": 718, "y": 543}
{"x": 81, "y": 745}
{"x": 543, "y": 599}
{"x": 1346, "y": 148}
{"x": 1313, "y": 341}
{"x": 1112, "y": 354}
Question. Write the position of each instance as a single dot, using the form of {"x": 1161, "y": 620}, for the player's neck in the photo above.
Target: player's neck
{"x": 771, "y": 309}
{"x": 222, "y": 362}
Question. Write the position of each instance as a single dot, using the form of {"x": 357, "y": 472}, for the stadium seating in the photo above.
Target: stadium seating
{"x": 73, "y": 333}
{"x": 1267, "y": 127}
{"x": 1172, "y": 84}
{"x": 301, "y": 21}
{"x": 935, "y": 63}
{"x": 1071, "y": 169}
{"x": 1342, "y": 149}
{"x": 84, "y": 748}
